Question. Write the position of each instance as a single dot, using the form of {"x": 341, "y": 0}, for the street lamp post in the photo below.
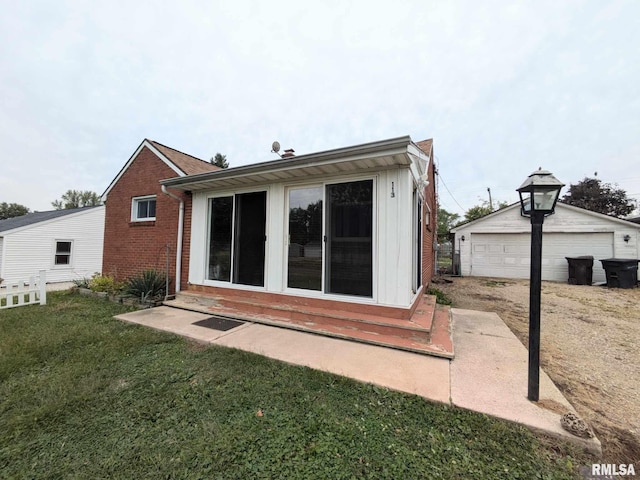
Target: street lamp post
{"x": 538, "y": 196}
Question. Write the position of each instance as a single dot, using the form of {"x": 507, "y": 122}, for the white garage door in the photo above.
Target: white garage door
{"x": 507, "y": 254}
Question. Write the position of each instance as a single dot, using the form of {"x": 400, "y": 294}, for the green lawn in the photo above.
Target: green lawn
{"x": 86, "y": 396}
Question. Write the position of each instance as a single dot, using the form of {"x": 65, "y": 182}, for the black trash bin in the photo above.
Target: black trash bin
{"x": 621, "y": 272}
{"x": 580, "y": 270}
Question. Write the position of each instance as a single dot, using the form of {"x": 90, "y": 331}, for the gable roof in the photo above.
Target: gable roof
{"x": 425, "y": 145}
{"x": 559, "y": 206}
{"x": 37, "y": 217}
{"x": 189, "y": 164}
{"x": 181, "y": 163}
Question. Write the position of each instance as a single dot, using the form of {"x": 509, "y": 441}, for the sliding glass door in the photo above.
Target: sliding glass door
{"x": 417, "y": 241}
{"x": 304, "y": 269}
{"x": 220, "y": 236}
{"x": 250, "y": 225}
{"x": 330, "y": 238}
{"x": 237, "y": 235}
{"x": 349, "y": 238}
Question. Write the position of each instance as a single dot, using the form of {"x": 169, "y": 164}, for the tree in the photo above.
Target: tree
{"x": 481, "y": 210}
{"x": 77, "y": 199}
{"x": 477, "y": 211}
{"x": 10, "y": 210}
{"x": 219, "y": 161}
{"x": 592, "y": 194}
{"x": 446, "y": 221}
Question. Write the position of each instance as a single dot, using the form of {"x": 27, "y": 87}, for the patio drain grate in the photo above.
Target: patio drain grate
{"x": 218, "y": 323}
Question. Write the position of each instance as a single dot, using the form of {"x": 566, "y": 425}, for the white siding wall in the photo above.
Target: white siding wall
{"x": 566, "y": 220}
{"x": 392, "y": 245}
{"x": 1, "y": 242}
{"x": 32, "y": 248}
{"x": 198, "y": 246}
{"x": 394, "y": 252}
{"x": 276, "y": 250}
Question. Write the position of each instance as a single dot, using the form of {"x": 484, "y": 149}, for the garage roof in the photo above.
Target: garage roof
{"x": 559, "y": 205}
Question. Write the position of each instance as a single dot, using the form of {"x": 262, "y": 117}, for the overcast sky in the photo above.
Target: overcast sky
{"x": 502, "y": 87}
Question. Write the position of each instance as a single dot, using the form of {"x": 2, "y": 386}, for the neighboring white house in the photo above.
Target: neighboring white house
{"x": 66, "y": 243}
{"x": 499, "y": 244}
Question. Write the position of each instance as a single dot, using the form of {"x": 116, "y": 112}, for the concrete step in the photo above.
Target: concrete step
{"x": 414, "y": 334}
{"x": 295, "y": 301}
{"x": 330, "y": 314}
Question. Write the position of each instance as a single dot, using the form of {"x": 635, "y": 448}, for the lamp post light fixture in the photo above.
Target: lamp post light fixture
{"x": 538, "y": 197}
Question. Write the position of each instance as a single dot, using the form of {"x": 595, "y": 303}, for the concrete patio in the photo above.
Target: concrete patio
{"x": 487, "y": 375}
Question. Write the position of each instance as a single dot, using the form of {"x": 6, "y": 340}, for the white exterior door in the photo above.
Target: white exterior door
{"x": 507, "y": 254}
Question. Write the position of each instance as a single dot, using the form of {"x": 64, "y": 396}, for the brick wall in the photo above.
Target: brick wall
{"x": 430, "y": 226}
{"x": 132, "y": 247}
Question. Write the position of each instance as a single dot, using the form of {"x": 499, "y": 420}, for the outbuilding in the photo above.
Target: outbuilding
{"x": 499, "y": 244}
{"x": 67, "y": 244}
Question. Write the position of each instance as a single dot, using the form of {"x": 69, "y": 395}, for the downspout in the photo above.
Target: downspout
{"x": 179, "y": 239}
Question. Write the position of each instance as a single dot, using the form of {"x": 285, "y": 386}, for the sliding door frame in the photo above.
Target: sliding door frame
{"x": 322, "y": 293}
{"x": 230, "y": 283}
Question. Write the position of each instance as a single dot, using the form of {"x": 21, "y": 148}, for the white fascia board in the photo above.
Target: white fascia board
{"x": 559, "y": 206}
{"x": 601, "y": 216}
{"x": 479, "y": 220}
{"x": 396, "y": 146}
{"x": 419, "y": 162}
{"x": 156, "y": 152}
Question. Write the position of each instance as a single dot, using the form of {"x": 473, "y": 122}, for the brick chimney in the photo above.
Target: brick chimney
{"x": 290, "y": 152}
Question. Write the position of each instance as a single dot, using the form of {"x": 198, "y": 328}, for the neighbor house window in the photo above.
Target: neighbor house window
{"x": 143, "y": 209}
{"x": 63, "y": 252}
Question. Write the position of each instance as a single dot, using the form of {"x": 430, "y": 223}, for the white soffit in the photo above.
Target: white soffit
{"x": 375, "y": 156}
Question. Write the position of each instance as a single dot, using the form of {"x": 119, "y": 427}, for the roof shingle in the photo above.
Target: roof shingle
{"x": 425, "y": 145}
{"x": 36, "y": 217}
{"x": 189, "y": 164}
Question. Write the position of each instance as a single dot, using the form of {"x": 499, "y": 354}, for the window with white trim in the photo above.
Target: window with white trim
{"x": 143, "y": 209}
{"x": 62, "y": 256}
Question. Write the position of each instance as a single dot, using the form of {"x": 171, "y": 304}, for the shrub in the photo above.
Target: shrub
{"x": 149, "y": 286}
{"x": 105, "y": 283}
{"x": 441, "y": 297}
{"x": 82, "y": 282}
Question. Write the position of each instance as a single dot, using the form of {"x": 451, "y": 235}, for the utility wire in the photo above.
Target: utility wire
{"x": 445, "y": 186}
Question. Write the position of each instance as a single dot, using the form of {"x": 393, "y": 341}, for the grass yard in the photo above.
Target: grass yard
{"x": 86, "y": 396}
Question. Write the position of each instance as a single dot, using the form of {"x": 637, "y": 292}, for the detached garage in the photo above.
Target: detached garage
{"x": 499, "y": 245}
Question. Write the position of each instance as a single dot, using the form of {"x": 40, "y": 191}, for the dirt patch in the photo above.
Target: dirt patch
{"x": 589, "y": 347}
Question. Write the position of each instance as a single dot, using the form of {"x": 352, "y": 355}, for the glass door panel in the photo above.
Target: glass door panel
{"x": 304, "y": 263}
{"x": 349, "y": 264}
{"x": 250, "y": 237}
{"x": 220, "y": 225}
{"x": 417, "y": 241}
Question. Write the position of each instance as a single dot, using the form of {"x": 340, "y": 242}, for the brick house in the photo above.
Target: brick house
{"x": 339, "y": 242}
{"x": 430, "y": 210}
{"x": 141, "y": 221}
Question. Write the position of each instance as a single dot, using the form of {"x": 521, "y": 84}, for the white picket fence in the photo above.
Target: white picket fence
{"x": 32, "y": 293}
